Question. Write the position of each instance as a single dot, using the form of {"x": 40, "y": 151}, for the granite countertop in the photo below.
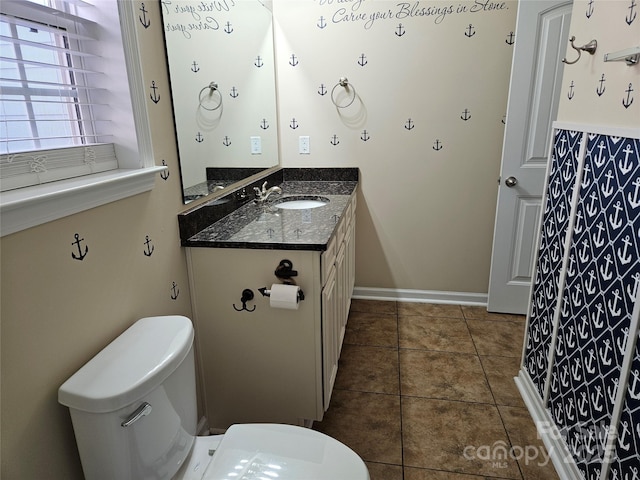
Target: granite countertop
{"x": 264, "y": 226}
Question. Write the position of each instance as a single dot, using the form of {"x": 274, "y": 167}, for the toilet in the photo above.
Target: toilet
{"x": 133, "y": 409}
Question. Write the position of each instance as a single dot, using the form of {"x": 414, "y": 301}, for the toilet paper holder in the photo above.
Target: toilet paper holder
{"x": 284, "y": 271}
{"x": 267, "y": 293}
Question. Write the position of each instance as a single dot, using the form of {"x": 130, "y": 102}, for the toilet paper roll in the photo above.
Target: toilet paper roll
{"x": 284, "y": 296}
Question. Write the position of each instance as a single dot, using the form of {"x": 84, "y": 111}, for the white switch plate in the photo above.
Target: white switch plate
{"x": 303, "y": 145}
{"x": 256, "y": 145}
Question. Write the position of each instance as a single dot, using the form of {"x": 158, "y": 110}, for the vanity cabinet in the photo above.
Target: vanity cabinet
{"x": 263, "y": 364}
{"x": 338, "y": 267}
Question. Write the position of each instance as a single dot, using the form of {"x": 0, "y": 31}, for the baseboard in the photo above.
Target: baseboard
{"x": 563, "y": 462}
{"x": 420, "y": 296}
{"x": 203, "y": 427}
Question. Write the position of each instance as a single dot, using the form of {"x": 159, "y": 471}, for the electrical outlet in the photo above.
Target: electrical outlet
{"x": 303, "y": 145}
{"x": 256, "y": 145}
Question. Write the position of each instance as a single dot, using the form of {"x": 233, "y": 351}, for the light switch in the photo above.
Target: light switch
{"x": 303, "y": 145}
{"x": 256, "y": 145}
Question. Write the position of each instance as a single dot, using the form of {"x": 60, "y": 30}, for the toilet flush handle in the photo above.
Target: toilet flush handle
{"x": 141, "y": 411}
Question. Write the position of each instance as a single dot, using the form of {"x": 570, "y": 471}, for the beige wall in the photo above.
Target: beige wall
{"x": 607, "y": 24}
{"x": 58, "y": 312}
{"x": 425, "y": 217}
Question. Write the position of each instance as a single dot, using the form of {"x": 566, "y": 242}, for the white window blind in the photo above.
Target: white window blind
{"x": 53, "y": 124}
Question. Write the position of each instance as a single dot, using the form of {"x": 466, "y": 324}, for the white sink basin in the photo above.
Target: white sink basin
{"x": 300, "y": 202}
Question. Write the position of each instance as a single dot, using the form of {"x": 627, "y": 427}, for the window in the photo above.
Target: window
{"x": 72, "y": 115}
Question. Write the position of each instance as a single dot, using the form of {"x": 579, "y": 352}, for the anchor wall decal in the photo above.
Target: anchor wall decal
{"x": 143, "y": 19}
{"x": 149, "y": 248}
{"x": 155, "y": 97}
{"x": 601, "y": 88}
{"x": 321, "y": 23}
{"x": 629, "y": 100}
{"x": 323, "y": 90}
{"x": 258, "y": 63}
{"x": 400, "y": 31}
{"x": 226, "y": 141}
{"x": 334, "y": 140}
{"x": 410, "y": 125}
{"x": 81, "y": 254}
{"x": 164, "y": 174}
{"x": 437, "y": 146}
{"x": 175, "y": 291}
{"x": 294, "y": 60}
{"x": 362, "y": 60}
{"x": 199, "y": 138}
{"x": 194, "y": 67}
{"x": 365, "y": 136}
{"x": 264, "y": 124}
{"x": 228, "y": 28}
{"x": 511, "y": 39}
{"x": 234, "y": 92}
{"x": 632, "y": 15}
{"x": 589, "y": 11}
{"x": 466, "y": 115}
{"x": 470, "y": 31}
{"x": 294, "y": 124}
{"x": 571, "y": 92}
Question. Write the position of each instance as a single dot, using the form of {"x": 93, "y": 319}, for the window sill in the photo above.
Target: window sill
{"x": 28, "y": 207}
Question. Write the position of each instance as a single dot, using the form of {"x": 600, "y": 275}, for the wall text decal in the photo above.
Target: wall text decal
{"x": 357, "y": 11}
{"x": 196, "y": 18}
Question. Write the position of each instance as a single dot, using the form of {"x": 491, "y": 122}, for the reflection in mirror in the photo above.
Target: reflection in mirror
{"x": 221, "y": 65}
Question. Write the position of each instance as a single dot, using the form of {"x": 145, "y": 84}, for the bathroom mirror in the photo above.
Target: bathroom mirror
{"x": 221, "y": 67}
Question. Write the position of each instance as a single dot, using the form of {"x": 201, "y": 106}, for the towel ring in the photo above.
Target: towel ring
{"x": 343, "y": 82}
{"x": 212, "y": 87}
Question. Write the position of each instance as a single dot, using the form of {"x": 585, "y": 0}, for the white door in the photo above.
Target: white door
{"x": 542, "y": 33}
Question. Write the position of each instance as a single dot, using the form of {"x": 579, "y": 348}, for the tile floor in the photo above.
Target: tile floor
{"x": 426, "y": 391}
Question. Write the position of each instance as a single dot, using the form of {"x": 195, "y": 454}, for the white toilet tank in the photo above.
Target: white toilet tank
{"x": 149, "y": 369}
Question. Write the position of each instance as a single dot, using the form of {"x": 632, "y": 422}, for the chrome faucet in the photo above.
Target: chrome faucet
{"x": 263, "y": 194}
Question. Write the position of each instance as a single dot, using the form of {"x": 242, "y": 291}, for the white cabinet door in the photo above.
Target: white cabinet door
{"x": 329, "y": 336}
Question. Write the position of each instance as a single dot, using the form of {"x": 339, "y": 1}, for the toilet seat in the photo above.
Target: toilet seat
{"x": 285, "y": 452}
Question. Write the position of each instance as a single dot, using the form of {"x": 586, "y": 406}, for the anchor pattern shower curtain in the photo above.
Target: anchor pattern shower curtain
{"x": 563, "y": 168}
{"x": 588, "y": 292}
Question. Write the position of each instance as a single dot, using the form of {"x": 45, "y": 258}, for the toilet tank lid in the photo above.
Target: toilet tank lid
{"x": 131, "y": 366}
